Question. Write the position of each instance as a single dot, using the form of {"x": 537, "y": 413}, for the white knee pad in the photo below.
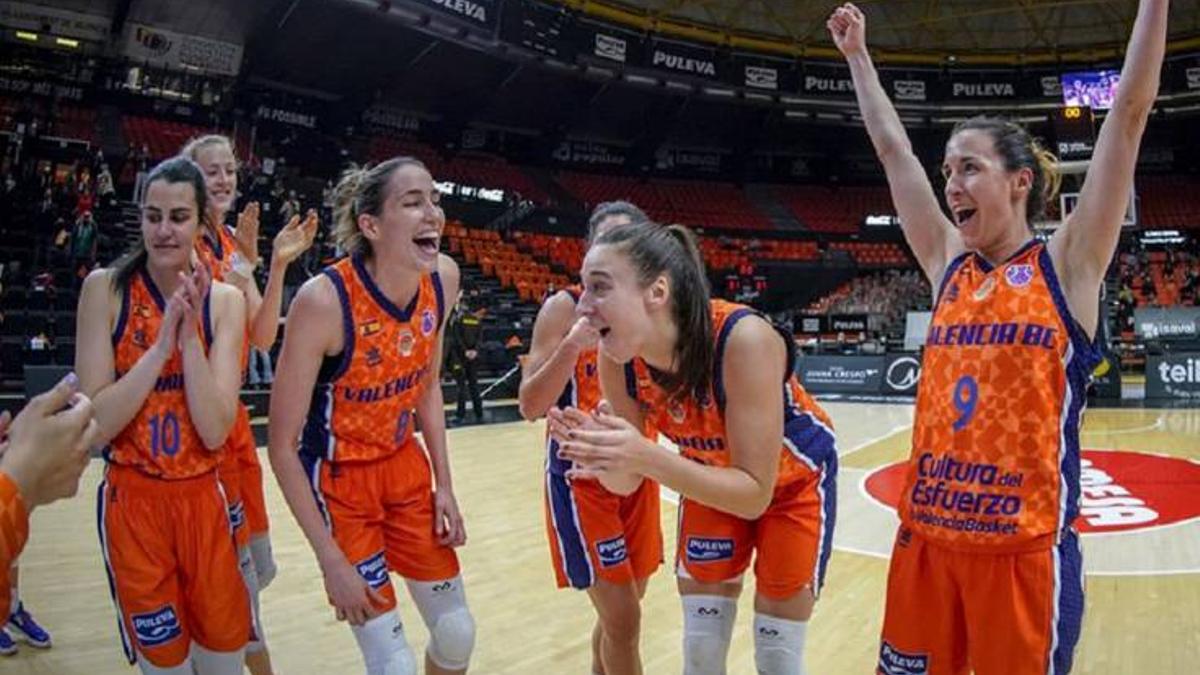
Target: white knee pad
{"x": 384, "y": 649}
{"x": 264, "y": 559}
{"x": 148, "y": 668}
{"x": 707, "y": 629}
{"x": 443, "y": 607}
{"x": 207, "y": 662}
{"x": 778, "y": 645}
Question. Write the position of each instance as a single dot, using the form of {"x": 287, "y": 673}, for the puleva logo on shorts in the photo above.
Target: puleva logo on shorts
{"x": 428, "y": 322}
{"x": 374, "y": 570}
{"x": 156, "y": 628}
{"x": 707, "y": 549}
{"x": 895, "y": 662}
{"x": 1019, "y": 276}
{"x": 611, "y": 551}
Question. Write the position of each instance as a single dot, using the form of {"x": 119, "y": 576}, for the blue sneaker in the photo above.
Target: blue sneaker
{"x": 25, "y": 628}
{"x": 8, "y": 646}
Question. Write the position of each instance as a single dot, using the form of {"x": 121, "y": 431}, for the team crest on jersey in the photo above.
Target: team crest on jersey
{"x": 985, "y": 289}
{"x": 374, "y": 357}
{"x": 139, "y": 339}
{"x": 369, "y": 328}
{"x": 1019, "y": 276}
{"x": 407, "y": 342}
{"x": 428, "y": 322}
{"x": 676, "y": 411}
{"x": 142, "y": 310}
{"x": 611, "y": 551}
{"x": 374, "y": 570}
{"x": 157, "y": 627}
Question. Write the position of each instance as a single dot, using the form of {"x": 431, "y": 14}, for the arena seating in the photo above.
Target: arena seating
{"x": 840, "y": 209}
{"x": 69, "y": 121}
{"x": 504, "y": 261}
{"x": 163, "y": 138}
{"x": 1169, "y": 201}
{"x": 475, "y": 170}
{"x": 691, "y": 202}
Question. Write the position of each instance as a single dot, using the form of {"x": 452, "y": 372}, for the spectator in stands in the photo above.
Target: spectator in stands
{"x": 462, "y": 358}
{"x": 106, "y": 191}
{"x": 291, "y": 207}
{"x": 83, "y": 241}
{"x": 260, "y": 374}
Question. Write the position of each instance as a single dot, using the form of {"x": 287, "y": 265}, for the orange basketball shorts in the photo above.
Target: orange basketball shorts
{"x": 595, "y": 534}
{"x": 251, "y": 475}
{"x": 172, "y": 567}
{"x": 791, "y": 540}
{"x": 952, "y": 612}
{"x": 381, "y": 516}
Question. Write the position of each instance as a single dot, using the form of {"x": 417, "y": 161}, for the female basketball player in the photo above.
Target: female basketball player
{"x": 158, "y": 350}
{"x": 757, "y": 466}
{"x": 599, "y": 541}
{"x": 231, "y": 256}
{"x": 986, "y": 573}
{"x": 362, "y": 355}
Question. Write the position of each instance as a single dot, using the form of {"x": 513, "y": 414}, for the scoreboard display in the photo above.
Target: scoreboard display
{"x": 1074, "y": 132}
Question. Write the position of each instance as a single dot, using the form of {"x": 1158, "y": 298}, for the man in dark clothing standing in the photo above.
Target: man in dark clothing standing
{"x": 462, "y": 357}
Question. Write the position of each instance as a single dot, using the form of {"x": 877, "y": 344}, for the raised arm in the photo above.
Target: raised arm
{"x": 116, "y": 401}
{"x": 929, "y": 233}
{"x": 1084, "y": 245}
{"x": 558, "y": 339}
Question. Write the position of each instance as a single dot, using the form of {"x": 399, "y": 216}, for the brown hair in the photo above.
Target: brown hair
{"x": 655, "y": 250}
{"x": 1020, "y": 150}
{"x": 618, "y": 207}
{"x": 178, "y": 169}
{"x": 362, "y": 190}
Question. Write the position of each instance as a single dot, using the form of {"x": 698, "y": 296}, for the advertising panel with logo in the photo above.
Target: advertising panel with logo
{"x": 62, "y": 22}
{"x": 761, "y": 74}
{"x": 842, "y": 374}
{"x": 982, "y": 86}
{"x": 543, "y": 28}
{"x": 1106, "y": 378}
{"x": 810, "y": 325}
{"x": 906, "y": 86}
{"x": 608, "y": 45}
{"x": 590, "y": 153}
{"x": 826, "y": 81}
{"x": 847, "y": 323}
{"x": 1174, "y": 323}
{"x": 901, "y": 374}
{"x": 678, "y": 58}
{"x": 482, "y": 15}
{"x": 680, "y": 161}
{"x": 148, "y": 44}
{"x": 1173, "y": 376}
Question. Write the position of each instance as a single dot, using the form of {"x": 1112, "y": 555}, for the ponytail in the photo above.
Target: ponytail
{"x": 362, "y": 191}
{"x": 654, "y": 251}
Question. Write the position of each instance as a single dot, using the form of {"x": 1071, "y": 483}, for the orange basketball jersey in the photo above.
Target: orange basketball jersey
{"x": 14, "y": 531}
{"x": 995, "y": 458}
{"x": 362, "y": 404}
{"x": 161, "y": 440}
{"x": 697, "y": 426}
{"x": 217, "y": 253}
{"x": 582, "y": 392}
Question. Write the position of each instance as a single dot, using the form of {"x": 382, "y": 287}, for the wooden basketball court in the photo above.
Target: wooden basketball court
{"x": 1143, "y": 605}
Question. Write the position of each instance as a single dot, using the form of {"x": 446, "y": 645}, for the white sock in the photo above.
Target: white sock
{"x": 208, "y": 662}
{"x": 707, "y": 630}
{"x": 384, "y": 648}
{"x": 778, "y": 645}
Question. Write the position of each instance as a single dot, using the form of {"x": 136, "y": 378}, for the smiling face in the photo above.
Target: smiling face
{"x": 410, "y": 224}
{"x": 616, "y": 304}
{"x": 219, "y": 165}
{"x": 170, "y": 223}
{"x": 986, "y": 200}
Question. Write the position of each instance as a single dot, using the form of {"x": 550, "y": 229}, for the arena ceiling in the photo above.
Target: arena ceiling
{"x": 951, "y": 27}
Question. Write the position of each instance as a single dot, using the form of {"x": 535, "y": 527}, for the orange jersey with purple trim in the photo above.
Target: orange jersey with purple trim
{"x": 362, "y": 404}
{"x": 697, "y": 425}
{"x": 14, "y": 530}
{"x": 160, "y": 441}
{"x": 217, "y": 254}
{"x": 995, "y": 458}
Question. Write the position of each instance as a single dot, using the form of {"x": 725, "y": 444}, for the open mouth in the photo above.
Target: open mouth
{"x": 605, "y": 331}
{"x": 962, "y": 216}
{"x": 427, "y": 243}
